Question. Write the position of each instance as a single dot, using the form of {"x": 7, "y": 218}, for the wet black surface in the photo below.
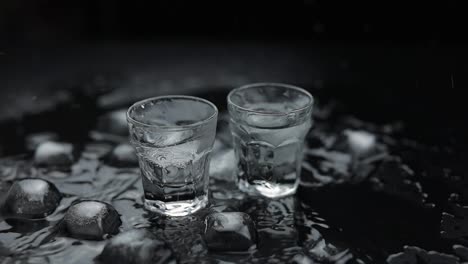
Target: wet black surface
{"x": 382, "y": 190}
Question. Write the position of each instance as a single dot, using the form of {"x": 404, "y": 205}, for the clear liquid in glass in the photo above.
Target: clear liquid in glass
{"x": 175, "y": 178}
{"x": 269, "y": 159}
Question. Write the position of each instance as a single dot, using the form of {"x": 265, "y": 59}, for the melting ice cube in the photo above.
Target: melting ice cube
{"x": 92, "y": 220}
{"x": 222, "y": 165}
{"x": 136, "y": 246}
{"x": 233, "y": 231}
{"x": 32, "y": 141}
{"x": 361, "y": 142}
{"x": 114, "y": 122}
{"x": 32, "y": 198}
{"x": 54, "y": 154}
{"x": 123, "y": 156}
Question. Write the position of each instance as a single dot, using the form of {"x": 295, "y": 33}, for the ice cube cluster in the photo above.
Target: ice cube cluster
{"x": 92, "y": 220}
{"x": 32, "y": 198}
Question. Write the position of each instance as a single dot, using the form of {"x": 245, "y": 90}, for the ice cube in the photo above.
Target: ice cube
{"x": 32, "y": 141}
{"x": 177, "y": 137}
{"x": 414, "y": 255}
{"x": 361, "y": 140}
{"x": 96, "y": 150}
{"x": 123, "y": 156}
{"x": 114, "y": 122}
{"x": 32, "y": 198}
{"x": 92, "y": 220}
{"x": 54, "y": 154}
{"x": 359, "y": 143}
{"x": 167, "y": 139}
{"x": 173, "y": 165}
{"x": 288, "y": 152}
{"x": 259, "y": 161}
{"x": 461, "y": 251}
{"x": 222, "y": 165}
{"x": 223, "y": 133}
{"x": 267, "y": 121}
{"x": 232, "y": 231}
{"x": 174, "y": 174}
{"x": 136, "y": 246}
{"x": 301, "y": 259}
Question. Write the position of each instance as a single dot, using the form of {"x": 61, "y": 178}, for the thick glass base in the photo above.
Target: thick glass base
{"x": 178, "y": 208}
{"x": 268, "y": 189}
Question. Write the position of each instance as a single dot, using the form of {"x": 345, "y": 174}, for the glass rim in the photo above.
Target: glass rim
{"x": 173, "y": 127}
{"x": 260, "y": 84}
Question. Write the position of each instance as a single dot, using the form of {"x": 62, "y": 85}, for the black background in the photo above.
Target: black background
{"x": 429, "y": 22}
{"x": 387, "y": 60}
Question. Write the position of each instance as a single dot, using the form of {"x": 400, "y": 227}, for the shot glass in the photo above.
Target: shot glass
{"x": 173, "y": 137}
{"x": 269, "y": 122}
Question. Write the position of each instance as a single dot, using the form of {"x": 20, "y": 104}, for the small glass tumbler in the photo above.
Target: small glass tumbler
{"x": 173, "y": 137}
{"x": 269, "y": 122}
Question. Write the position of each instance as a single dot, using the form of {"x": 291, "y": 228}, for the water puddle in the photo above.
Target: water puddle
{"x": 366, "y": 196}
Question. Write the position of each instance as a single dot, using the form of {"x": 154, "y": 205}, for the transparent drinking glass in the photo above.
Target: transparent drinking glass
{"x": 269, "y": 122}
{"x": 173, "y": 137}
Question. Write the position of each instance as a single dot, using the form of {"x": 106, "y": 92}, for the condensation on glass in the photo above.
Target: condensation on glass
{"x": 269, "y": 122}
{"x": 173, "y": 137}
